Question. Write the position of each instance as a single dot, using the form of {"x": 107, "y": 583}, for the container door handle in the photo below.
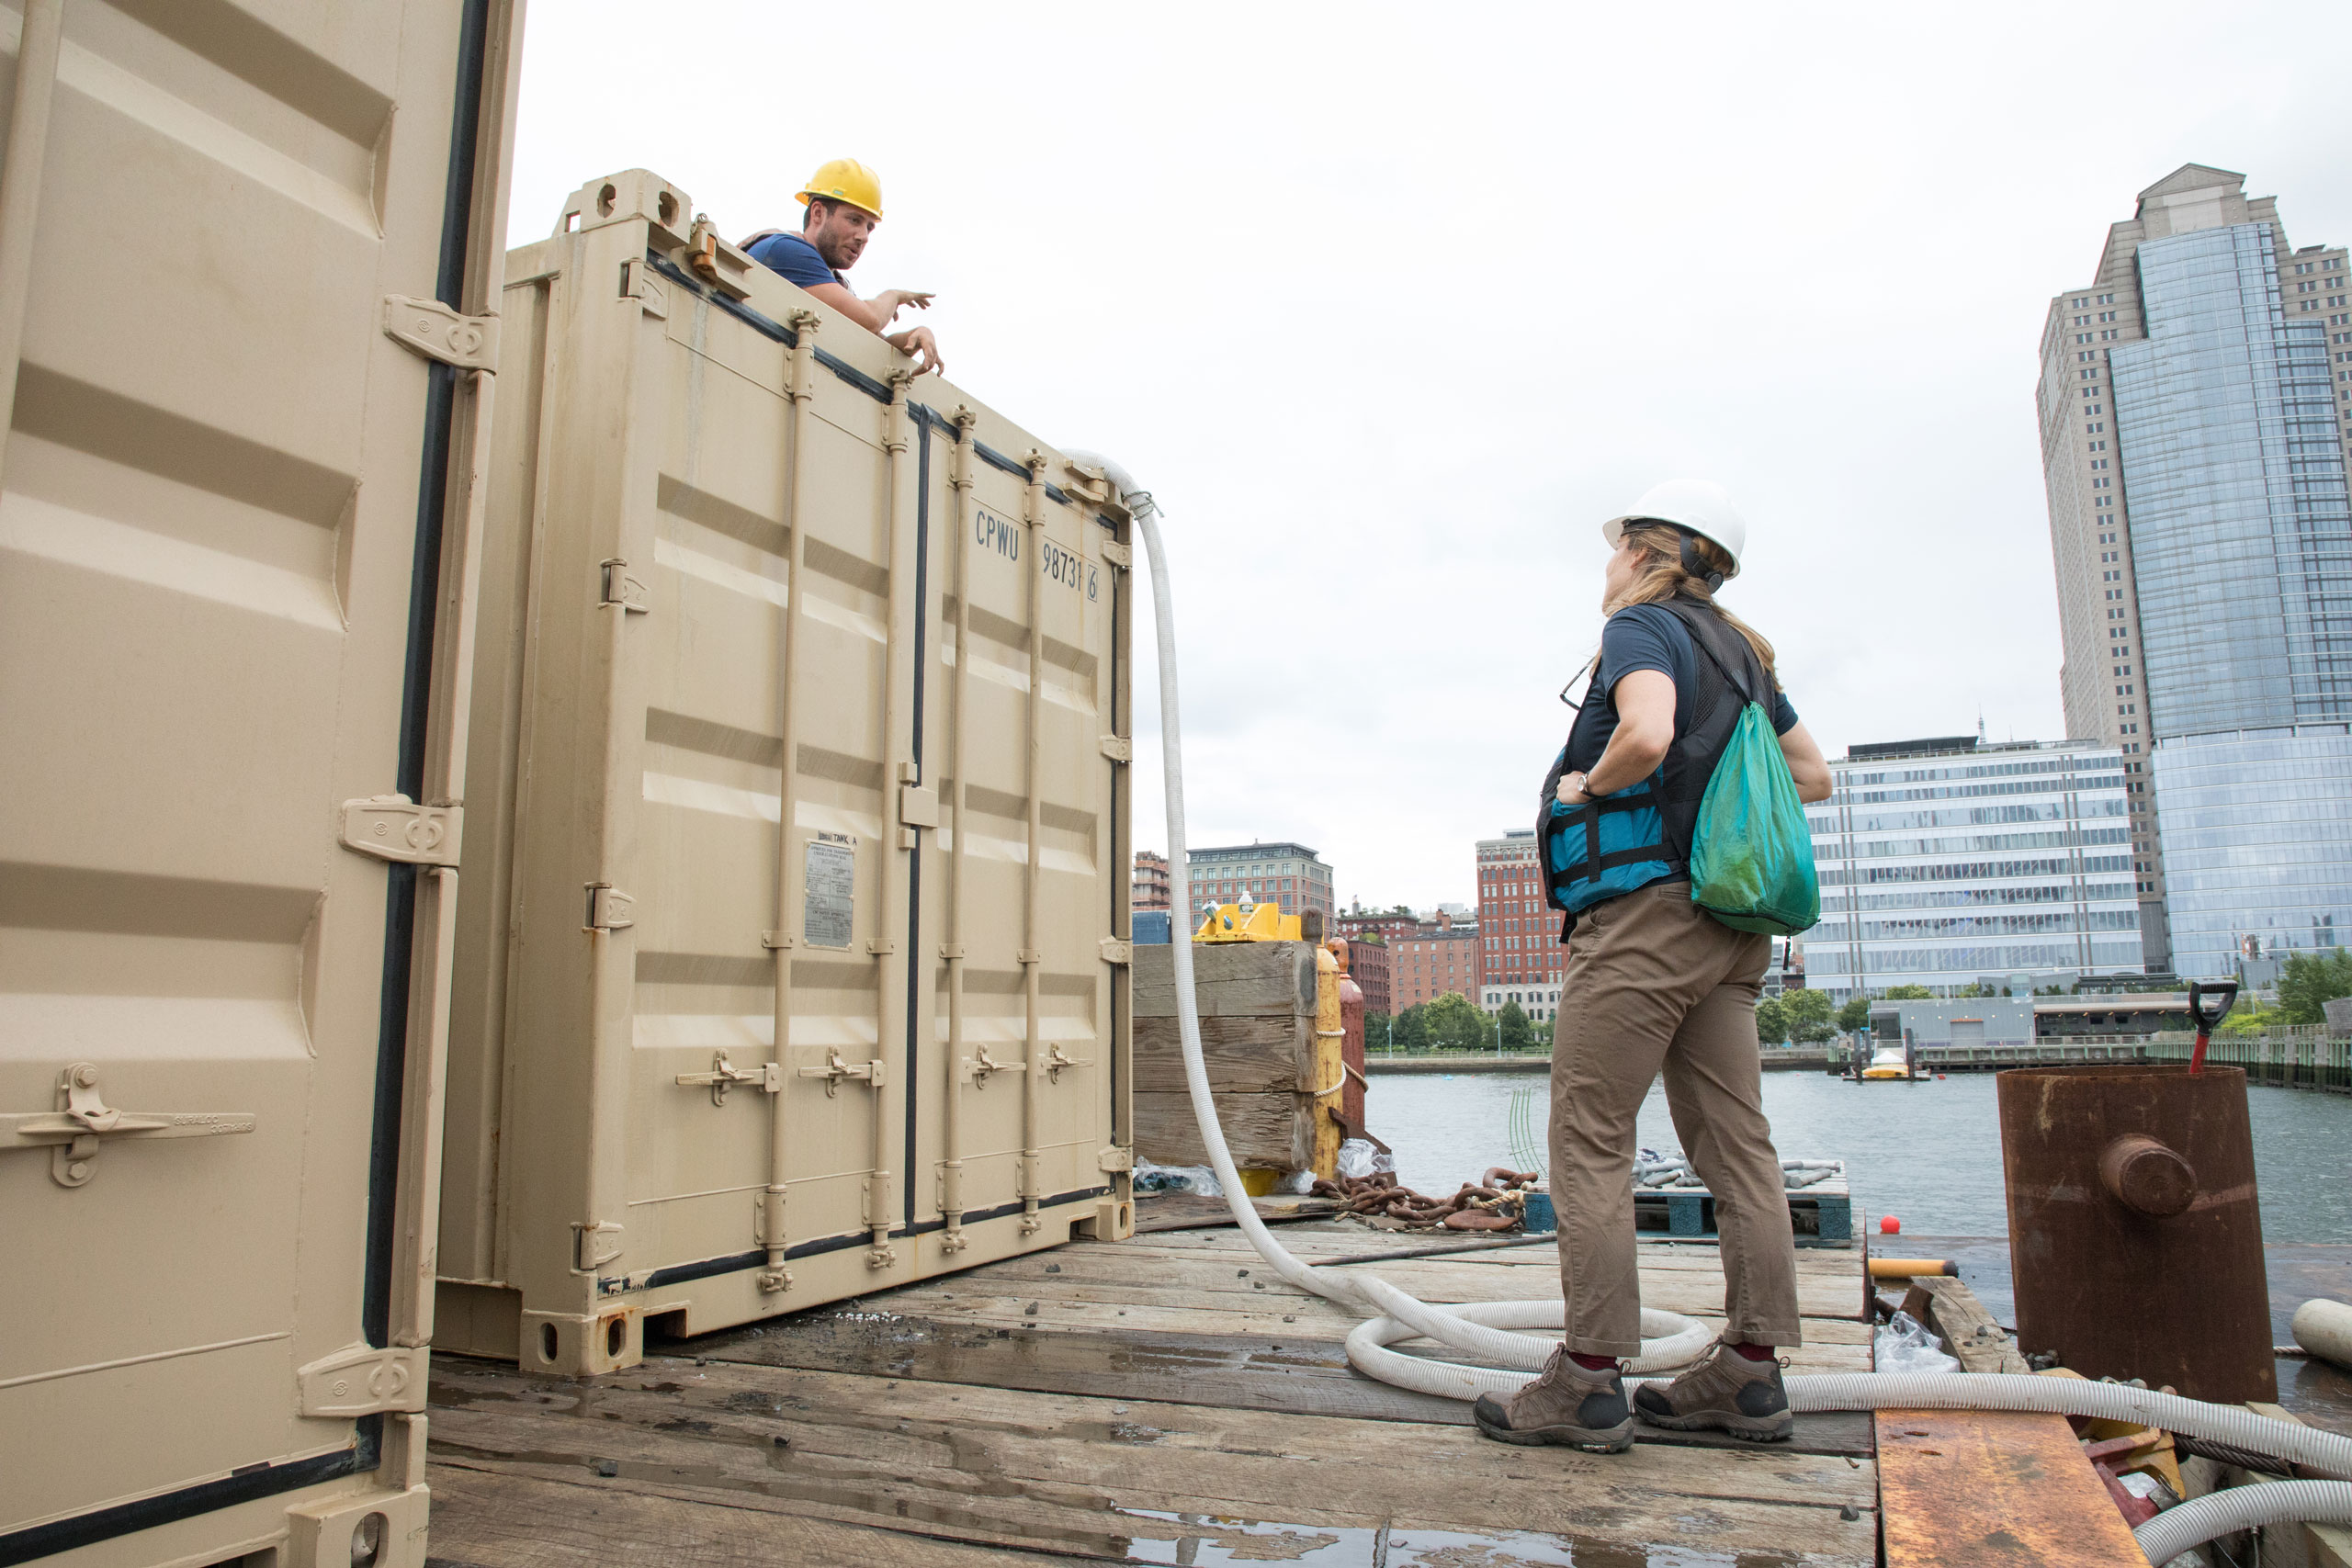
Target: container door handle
{"x": 75, "y": 1130}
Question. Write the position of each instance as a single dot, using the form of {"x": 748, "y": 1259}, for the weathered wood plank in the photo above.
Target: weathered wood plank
{"x": 488, "y": 1518}
{"x": 1950, "y": 1309}
{"x": 1183, "y": 1211}
{"x": 1230, "y": 979}
{"x": 1243, "y": 1055}
{"x": 1269, "y": 1130}
{"x": 1994, "y": 1489}
{"x": 1308, "y": 1376}
{"x": 1116, "y": 1480}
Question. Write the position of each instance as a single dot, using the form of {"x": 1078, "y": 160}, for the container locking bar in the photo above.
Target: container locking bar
{"x": 83, "y": 1121}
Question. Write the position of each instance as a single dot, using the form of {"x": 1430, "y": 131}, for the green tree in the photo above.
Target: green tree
{"x": 2308, "y": 980}
{"x": 1908, "y": 994}
{"x": 1771, "y": 1023}
{"x": 1806, "y": 1013}
{"x": 1376, "y": 1030}
{"x": 1455, "y": 1025}
{"x": 1855, "y": 1016}
{"x": 1413, "y": 1029}
{"x": 1518, "y": 1033}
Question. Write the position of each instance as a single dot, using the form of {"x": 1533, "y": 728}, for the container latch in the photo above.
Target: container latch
{"x": 84, "y": 1121}
{"x": 724, "y": 1075}
{"x": 432, "y": 329}
{"x": 1056, "y": 1059}
{"x": 395, "y": 828}
{"x": 836, "y": 1069}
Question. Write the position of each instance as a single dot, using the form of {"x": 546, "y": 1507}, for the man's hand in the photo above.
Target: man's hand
{"x": 1574, "y": 789}
{"x": 891, "y": 301}
{"x": 919, "y": 342}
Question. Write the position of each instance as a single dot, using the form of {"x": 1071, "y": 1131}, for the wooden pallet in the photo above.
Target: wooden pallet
{"x": 1821, "y": 1216}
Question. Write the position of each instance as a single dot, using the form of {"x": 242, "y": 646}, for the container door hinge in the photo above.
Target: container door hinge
{"x": 432, "y": 329}
{"x": 395, "y": 828}
{"x": 363, "y": 1381}
{"x": 84, "y": 1121}
{"x": 620, "y": 588}
{"x": 1114, "y": 1158}
{"x": 593, "y": 1244}
{"x": 836, "y": 1069}
{"x": 1119, "y": 748}
{"x": 1117, "y": 951}
{"x": 609, "y": 909}
{"x": 918, "y": 808}
{"x": 1119, "y": 555}
{"x": 638, "y": 282}
{"x": 1088, "y": 484}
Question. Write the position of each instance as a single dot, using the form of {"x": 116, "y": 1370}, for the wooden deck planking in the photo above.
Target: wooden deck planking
{"x": 1116, "y": 1480}
{"x": 1995, "y": 1489}
{"x": 1150, "y": 1401}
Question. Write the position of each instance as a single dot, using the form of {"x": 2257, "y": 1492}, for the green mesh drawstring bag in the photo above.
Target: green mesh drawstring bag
{"x": 1751, "y": 853}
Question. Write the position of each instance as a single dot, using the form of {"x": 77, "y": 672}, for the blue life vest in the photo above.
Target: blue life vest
{"x": 1642, "y": 833}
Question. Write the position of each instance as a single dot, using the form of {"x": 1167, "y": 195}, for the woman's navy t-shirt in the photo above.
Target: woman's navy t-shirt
{"x": 1645, "y": 636}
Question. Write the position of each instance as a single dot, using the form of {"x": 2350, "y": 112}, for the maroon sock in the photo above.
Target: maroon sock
{"x": 1593, "y": 1363}
{"x": 1755, "y": 1352}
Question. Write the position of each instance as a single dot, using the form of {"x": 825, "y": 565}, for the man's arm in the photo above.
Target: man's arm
{"x": 872, "y": 314}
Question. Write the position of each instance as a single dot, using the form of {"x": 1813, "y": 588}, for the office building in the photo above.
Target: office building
{"x": 1150, "y": 887}
{"x": 1943, "y": 861}
{"x": 1518, "y": 933}
{"x": 1284, "y": 873}
{"x": 1439, "y": 957}
{"x": 2194, "y": 400}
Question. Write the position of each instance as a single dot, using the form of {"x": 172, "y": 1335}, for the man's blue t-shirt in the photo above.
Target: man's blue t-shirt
{"x": 795, "y": 258}
{"x": 1645, "y": 636}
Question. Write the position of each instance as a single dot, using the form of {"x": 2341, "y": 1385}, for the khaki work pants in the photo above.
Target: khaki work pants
{"x": 1654, "y": 981}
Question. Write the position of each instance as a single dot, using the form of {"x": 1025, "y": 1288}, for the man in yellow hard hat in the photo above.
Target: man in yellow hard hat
{"x": 844, "y": 202}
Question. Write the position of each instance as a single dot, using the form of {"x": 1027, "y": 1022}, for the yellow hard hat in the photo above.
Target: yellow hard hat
{"x": 846, "y": 179}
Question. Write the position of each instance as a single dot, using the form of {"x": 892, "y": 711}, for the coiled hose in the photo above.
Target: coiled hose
{"x": 1671, "y": 1340}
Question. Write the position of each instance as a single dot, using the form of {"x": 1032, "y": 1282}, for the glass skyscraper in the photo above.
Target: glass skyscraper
{"x": 2225, "y": 583}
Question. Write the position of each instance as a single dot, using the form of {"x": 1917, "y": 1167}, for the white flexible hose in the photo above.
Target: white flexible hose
{"x": 1483, "y": 1328}
{"x": 2174, "y": 1531}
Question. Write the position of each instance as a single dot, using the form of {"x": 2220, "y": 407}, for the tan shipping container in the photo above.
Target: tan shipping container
{"x": 802, "y": 691}
{"x": 240, "y": 249}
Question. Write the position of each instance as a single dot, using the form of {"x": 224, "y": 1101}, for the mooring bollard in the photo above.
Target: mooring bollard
{"x": 2135, "y": 1237}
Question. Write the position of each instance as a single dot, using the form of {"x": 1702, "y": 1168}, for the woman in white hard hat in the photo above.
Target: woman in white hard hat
{"x": 1652, "y": 981}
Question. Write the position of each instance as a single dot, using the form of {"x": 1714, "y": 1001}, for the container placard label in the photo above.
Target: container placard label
{"x": 828, "y": 901}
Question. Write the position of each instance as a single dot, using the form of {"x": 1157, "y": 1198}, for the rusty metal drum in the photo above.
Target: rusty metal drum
{"x": 2135, "y": 1235}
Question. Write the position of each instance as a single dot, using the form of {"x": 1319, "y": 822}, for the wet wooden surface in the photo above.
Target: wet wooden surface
{"x": 1160, "y": 1400}
{"x": 1995, "y": 1489}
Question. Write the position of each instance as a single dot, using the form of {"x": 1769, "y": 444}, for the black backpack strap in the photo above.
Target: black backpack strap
{"x": 1741, "y": 668}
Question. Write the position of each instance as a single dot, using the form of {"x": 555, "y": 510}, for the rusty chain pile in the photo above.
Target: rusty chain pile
{"x": 1492, "y": 1203}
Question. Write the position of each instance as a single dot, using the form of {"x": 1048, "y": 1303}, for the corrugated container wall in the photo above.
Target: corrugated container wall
{"x": 244, "y": 258}
{"x": 802, "y": 693}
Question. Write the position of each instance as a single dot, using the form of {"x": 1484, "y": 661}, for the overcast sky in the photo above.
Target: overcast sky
{"x": 1391, "y": 306}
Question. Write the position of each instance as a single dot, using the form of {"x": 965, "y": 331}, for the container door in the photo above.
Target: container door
{"x": 233, "y": 597}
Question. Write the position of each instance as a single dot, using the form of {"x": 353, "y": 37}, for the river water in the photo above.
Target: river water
{"x": 1929, "y": 1153}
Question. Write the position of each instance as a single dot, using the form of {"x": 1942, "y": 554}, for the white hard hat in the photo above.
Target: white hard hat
{"x": 1701, "y": 506}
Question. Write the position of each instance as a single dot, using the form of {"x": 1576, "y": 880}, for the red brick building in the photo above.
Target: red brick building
{"x": 1360, "y": 922}
{"x": 1368, "y": 966}
{"x": 1434, "y": 960}
{"x": 1518, "y": 933}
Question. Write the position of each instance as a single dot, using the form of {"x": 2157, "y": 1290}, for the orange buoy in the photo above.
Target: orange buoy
{"x": 1889, "y": 1225}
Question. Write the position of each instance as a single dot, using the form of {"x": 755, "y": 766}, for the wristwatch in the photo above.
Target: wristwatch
{"x": 1584, "y": 782}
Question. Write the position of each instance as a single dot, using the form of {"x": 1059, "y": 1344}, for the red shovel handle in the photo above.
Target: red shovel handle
{"x": 2209, "y": 1003}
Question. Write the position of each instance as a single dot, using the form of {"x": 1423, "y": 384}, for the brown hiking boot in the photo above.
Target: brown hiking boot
{"x": 1728, "y": 1391}
{"x": 1568, "y": 1404}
